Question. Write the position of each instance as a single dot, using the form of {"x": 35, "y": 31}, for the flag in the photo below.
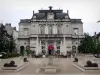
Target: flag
{"x": 50, "y": 47}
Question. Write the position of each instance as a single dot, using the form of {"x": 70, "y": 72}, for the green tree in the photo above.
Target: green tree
{"x": 12, "y": 45}
{"x": 88, "y": 44}
{"x": 7, "y": 43}
{"x": 3, "y": 38}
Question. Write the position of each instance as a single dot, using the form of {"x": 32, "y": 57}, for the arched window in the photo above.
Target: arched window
{"x": 34, "y": 17}
{"x": 54, "y": 29}
{"x": 46, "y": 29}
{"x": 42, "y": 29}
{"x": 75, "y": 31}
{"x": 59, "y": 29}
{"x": 25, "y": 31}
{"x": 22, "y": 50}
{"x": 50, "y": 29}
{"x": 66, "y": 17}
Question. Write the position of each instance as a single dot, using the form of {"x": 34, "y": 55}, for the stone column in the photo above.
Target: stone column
{"x": 46, "y": 47}
{"x": 55, "y": 45}
{"x": 39, "y": 30}
{"x": 40, "y": 45}
{"x": 31, "y": 44}
{"x": 64, "y": 48}
{"x": 61, "y": 46}
{"x": 37, "y": 46}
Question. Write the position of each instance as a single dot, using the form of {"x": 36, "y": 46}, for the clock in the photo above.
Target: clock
{"x": 50, "y": 16}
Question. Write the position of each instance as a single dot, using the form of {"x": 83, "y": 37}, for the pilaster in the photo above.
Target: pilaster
{"x": 37, "y": 48}
{"x": 40, "y": 46}
{"x": 46, "y": 47}
{"x": 61, "y": 46}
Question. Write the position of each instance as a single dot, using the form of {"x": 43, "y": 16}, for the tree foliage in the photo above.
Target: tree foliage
{"x": 7, "y": 43}
{"x": 89, "y": 44}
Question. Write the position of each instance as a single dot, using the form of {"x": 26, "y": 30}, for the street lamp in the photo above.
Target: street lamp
{"x": 0, "y": 56}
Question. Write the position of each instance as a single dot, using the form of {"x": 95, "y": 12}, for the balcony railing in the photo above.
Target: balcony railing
{"x": 77, "y": 36}
{"x": 50, "y": 35}
{"x": 23, "y": 36}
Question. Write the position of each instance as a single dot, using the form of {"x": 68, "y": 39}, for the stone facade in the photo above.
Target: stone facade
{"x": 50, "y": 27}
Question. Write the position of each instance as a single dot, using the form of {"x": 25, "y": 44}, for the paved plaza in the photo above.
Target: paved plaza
{"x": 65, "y": 64}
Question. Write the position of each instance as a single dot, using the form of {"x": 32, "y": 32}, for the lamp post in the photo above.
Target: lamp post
{"x": 77, "y": 42}
{"x": 0, "y": 59}
{"x": 25, "y": 49}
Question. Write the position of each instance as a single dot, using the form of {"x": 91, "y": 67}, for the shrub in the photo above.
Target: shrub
{"x": 68, "y": 55}
{"x": 38, "y": 56}
{"x": 47, "y": 55}
{"x": 10, "y": 55}
{"x": 63, "y": 56}
{"x": 32, "y": 55}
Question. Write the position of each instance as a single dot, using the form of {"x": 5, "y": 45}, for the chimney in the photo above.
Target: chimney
{"x": 14, "y": 28}
{"x": 67, "y": 12}
{"x": 33, "y": 12}
{"x": 8, "y": 24}
{"x": 1, "y": 24}
{"x": 95, "y": 34}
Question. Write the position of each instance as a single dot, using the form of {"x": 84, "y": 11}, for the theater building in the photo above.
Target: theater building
{"x": 50, "y": 28}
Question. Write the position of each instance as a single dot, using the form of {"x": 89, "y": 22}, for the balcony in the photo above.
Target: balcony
{"x": 50, "y": 35}
{"x": 77, "y": 36}
{"x": 23, "y": 36}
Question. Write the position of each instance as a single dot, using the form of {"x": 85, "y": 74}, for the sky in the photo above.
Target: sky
{"x": 11, "y": 11}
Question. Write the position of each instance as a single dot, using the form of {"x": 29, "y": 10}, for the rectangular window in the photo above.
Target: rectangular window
{"x": 58, "y": 47}
{"x": 75, "y": 31}
{"x": 25, "y": 31}
{"x": 43, "y": 47}
{"x": 42, "y": 29}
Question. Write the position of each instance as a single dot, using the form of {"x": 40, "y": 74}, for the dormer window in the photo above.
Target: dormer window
{"x": 34, "y": 17}
{"x": 66, "y": 17}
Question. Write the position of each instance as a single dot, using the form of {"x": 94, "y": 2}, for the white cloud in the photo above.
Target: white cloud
{"x": 88, "y": 10}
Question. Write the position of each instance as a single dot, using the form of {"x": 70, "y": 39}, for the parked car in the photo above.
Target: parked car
{"x": 0, "y": 55}
{"x": 97, "y": 55}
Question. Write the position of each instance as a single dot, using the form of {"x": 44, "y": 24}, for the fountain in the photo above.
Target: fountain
{"x": 49, "y": 67}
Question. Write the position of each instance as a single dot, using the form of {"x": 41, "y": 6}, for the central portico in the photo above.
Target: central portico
{"x": 44, "y": 43}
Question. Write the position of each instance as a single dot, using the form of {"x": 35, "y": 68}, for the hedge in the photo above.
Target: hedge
{"x": 10, "y": 55}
